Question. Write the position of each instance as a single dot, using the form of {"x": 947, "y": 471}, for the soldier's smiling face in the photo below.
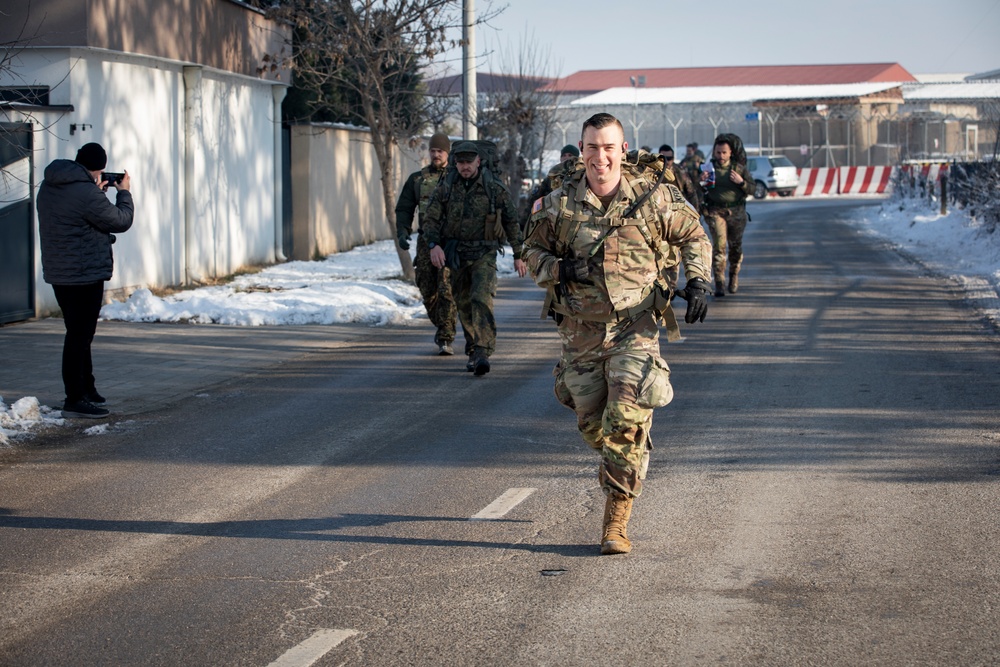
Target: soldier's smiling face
{"x": 602, "y": 151}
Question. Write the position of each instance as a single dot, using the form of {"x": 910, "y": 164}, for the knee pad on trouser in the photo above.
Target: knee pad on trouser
{"x": 617, "y": 480}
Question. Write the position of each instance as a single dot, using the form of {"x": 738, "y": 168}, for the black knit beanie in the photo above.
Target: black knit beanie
{"x": 441, "y": 142}
{"x": 571, "y": 149}
{"x": 92, "y": 156}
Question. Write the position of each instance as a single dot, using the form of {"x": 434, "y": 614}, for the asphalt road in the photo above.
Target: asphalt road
{"x": 824, "y": 490}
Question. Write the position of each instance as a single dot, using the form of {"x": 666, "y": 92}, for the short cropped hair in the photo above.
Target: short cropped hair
{"x": 599, "y": 121}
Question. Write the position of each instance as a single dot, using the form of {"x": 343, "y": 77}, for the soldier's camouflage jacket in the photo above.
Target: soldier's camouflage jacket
{"x": 465, "y": 216}
{"x": 625, "y": 256}
{"x": 415, "y": 195}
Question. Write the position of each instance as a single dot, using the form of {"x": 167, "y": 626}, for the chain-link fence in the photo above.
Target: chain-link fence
{"x": 849, "y": 133}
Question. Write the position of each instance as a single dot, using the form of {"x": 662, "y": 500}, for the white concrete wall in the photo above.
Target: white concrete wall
{"x": 135, "y": 107}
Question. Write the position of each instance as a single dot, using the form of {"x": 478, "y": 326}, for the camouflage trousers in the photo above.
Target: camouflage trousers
{"x": 612, "y": 376}
{"x": 726, "y": 226}
{"x": 474, "y": 284}
{"x": 435, "y": 290}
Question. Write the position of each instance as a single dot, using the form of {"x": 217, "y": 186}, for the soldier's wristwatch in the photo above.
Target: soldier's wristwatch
{"x": 431, "y": 245}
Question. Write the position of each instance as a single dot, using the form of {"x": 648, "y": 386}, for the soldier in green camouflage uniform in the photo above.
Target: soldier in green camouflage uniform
{"x": 464, "y": 236}
{"x": 434, "y": 286}
{"x": 602, "y": 263}
{"x": 726, "y": 214}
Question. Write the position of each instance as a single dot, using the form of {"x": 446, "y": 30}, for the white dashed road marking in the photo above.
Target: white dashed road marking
{"x": 312, "y": 649}
{"x": 505, "y": 503}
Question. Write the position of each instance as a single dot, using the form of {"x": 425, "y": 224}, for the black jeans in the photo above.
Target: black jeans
{"x": 81, "y": 306}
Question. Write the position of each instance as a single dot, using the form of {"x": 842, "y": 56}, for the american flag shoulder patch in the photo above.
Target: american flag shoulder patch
{"x": 537, "y": 206}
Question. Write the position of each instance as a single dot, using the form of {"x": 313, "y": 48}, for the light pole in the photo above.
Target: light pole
{"x": 824, "y": 111}
{"x": 469, "y": 128}
{"x": 636, "y": 81}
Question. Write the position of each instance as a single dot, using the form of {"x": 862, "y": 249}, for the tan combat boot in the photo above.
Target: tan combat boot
{"x": 617, "y": 510}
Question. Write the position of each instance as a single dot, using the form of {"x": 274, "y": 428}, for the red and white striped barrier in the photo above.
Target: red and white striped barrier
{"x": 821, "y": 181}
{"x": 843, "y": 181}
{"x": 930, "y": 172}
{"x": 864, "y": 180}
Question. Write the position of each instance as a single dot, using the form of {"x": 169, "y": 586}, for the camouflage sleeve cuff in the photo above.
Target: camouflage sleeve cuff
{"x": 517, "y": 253}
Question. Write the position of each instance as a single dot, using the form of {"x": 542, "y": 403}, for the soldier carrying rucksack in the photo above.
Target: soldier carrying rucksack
{"x": 601, "y": 242}
{"x": 469, "y": 217}
{"x": 725, "y": 210}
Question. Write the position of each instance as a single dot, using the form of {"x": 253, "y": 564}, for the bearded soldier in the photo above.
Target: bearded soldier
{"x": 599, "y": 243}
{"x": 464, "y": 227}
{"x": 433, "y": 283}
{"x": 726, "y": 211}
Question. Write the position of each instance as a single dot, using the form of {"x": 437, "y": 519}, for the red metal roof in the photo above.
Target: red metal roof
{"x": 593, "y": 81}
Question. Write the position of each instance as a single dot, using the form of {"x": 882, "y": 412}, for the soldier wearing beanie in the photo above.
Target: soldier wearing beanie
{"x": 568, "y": 156}
{"x": 569, "y": 152}
{"x": 433, "y": 283}
{"x": 76, "y": 227}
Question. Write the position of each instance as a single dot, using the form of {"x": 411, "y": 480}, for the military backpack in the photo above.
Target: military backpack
{"x": 489, "y": 168}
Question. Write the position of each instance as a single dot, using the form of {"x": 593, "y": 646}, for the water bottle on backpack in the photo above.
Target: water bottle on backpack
{"x": 708, "y": 174}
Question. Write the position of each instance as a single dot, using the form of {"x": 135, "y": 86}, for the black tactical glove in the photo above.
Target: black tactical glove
{"x": 696, "y": 293}
{"x": 404, "y": 239}
{"x": 574, "y": 271}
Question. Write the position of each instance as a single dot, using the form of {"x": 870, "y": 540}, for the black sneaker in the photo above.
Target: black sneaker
{"x": 470, "y": 365}
{"x": 84, "y": 409}
{"x": 95, "y": 398}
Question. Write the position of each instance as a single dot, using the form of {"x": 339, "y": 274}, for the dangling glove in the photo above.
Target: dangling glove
{"x": 696, "y": 294}
{"x": 404, "y": 239}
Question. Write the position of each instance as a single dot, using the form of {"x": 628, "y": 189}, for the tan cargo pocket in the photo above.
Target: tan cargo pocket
{"x": 561, "y": 390}
{"x": 655, "y": 390}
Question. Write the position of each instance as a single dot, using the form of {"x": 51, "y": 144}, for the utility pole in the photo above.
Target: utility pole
{"x": 636, "y": 81}
{"x": 469, "y": 129}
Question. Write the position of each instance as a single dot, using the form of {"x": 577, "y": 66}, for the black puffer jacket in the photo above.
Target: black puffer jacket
{"x": 75, "y": 224}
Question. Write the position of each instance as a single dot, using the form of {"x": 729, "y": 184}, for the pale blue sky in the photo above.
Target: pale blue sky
{"x": 924, "y": 36}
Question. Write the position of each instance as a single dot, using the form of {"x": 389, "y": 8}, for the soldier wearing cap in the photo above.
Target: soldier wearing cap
{"x": 464, "y": 226}
{"x": 433, "y": 283}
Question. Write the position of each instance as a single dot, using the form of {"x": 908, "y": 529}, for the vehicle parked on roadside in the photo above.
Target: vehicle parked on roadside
{"x": 772, "y": 173}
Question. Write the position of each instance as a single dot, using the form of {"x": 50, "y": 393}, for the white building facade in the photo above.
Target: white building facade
{"x": 197, "y": 126}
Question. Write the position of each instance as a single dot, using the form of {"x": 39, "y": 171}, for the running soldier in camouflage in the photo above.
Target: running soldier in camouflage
{"x": 726, "y": 212}
{"x": 464, "y": 235}
{"x": 599, "y": 244}
{"x": 434, "y": 286}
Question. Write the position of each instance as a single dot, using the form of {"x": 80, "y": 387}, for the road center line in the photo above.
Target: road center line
{"x": 505, "y": 503}
{"x": 312, "y": 649}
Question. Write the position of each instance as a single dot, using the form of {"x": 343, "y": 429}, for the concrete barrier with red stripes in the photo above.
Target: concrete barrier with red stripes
{"x": 844, "y": 181}
{"x": 929, "y": 171}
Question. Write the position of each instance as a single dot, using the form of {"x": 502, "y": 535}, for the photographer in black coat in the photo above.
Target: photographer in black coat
{"x": 76, "y": 225}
